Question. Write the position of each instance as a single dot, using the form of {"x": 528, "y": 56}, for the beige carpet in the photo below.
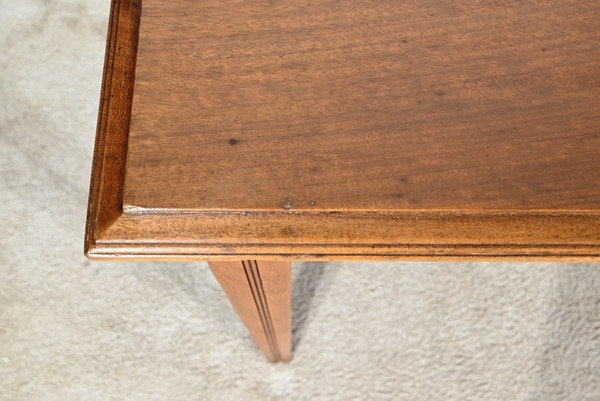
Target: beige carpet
{"x": 71, "y": 329}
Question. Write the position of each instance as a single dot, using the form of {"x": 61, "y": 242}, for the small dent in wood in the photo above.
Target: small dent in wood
{"x": 233, "y": 141}
{"x": 288, "y": 205}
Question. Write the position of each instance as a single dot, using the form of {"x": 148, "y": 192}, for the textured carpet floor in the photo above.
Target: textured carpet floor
{"x": 71, "y": 329}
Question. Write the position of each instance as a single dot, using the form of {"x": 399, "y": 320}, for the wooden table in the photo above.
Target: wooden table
{"x": 234, "y": 131}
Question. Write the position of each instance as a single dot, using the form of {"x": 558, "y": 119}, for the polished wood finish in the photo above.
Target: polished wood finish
{"x": 108, "y": 168}
{"x": 366, "y": 105}
{"x": 349, "y": 130}
{"x": 260, "y": 293}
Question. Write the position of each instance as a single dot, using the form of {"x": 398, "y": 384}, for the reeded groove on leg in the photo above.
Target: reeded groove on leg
{"x": 260, "y": 292}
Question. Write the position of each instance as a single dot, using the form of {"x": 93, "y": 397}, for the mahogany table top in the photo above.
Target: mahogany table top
{"x": 376, "y": 129}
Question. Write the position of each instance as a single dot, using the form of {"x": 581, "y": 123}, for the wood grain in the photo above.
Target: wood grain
{"x": 260, "y": 293}
{"x": 359, "y": 236}
{"x": 338, "y": 130}
{"x": 108, "y": 168}
{"x": 366, "y": 105}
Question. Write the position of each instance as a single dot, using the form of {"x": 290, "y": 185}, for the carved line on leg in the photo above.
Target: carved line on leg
{"x": 258, "y": 294}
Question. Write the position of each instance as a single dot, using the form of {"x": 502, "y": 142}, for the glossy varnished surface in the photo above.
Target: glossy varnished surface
{"x": 366, "y": 105}
{"x": 348, "y": 130}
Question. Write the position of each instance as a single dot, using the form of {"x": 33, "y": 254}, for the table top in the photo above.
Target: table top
{"x": 349, "y": 130}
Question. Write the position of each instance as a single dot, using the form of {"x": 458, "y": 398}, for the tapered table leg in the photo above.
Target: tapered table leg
{"x": 260, "y": 292}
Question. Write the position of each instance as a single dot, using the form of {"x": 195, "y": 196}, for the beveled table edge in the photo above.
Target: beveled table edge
{"x": 114, "y": 233}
